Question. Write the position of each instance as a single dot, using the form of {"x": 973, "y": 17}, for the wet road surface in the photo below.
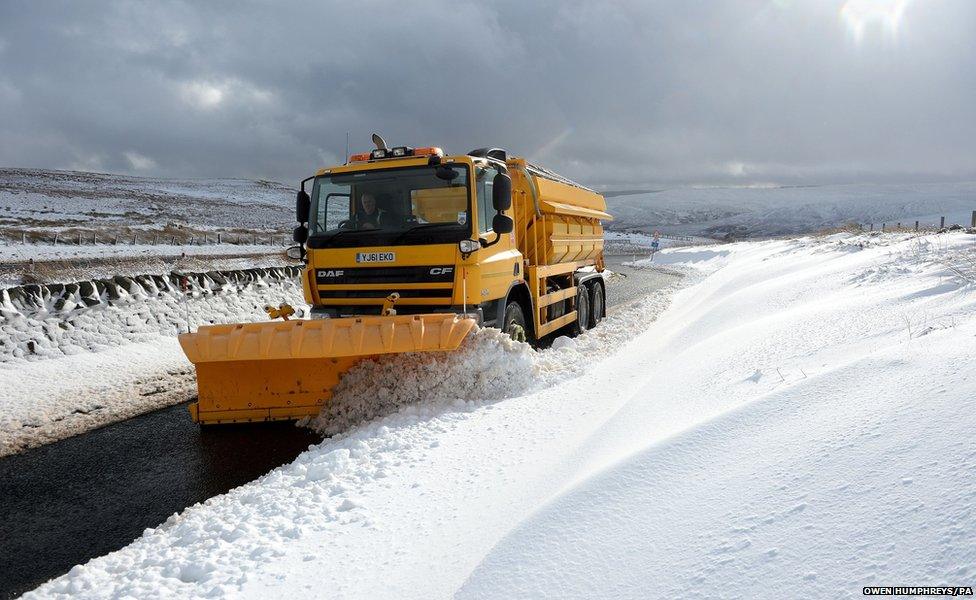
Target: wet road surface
{"x": 79, "y": 498}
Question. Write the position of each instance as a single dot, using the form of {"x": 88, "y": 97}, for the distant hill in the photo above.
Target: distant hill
{"x": 747, "y": 212}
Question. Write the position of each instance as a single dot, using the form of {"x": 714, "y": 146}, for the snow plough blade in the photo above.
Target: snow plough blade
{"x": 282, "y": 370}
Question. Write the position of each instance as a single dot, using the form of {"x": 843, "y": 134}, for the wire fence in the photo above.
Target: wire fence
{"x": 918, "y": 225}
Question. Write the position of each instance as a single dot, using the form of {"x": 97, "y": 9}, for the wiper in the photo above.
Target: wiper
{"x": 425, "y": 226}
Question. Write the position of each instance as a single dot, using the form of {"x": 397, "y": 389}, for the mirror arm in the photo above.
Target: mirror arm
{"x": 484, "y": 244}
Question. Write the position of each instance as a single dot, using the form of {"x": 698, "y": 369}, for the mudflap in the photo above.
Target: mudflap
{"x": 282, "y": 370}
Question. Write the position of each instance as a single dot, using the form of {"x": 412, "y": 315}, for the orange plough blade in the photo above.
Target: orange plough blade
{"x": 281, "y": 370}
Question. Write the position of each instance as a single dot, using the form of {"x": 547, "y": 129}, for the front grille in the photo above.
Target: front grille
{"x": 421, "y": 274}
{"x": 442, "y": 293}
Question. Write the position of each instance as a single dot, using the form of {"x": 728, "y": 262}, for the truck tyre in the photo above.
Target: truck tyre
{"x": 514, "y": 324}
{"x": 582, "y": 310}
{"x": 597, "y": 305}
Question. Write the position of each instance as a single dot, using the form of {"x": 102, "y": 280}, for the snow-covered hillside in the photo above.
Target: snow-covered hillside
{"x": 774, "y": 211}
{"x": 797, "y": 424}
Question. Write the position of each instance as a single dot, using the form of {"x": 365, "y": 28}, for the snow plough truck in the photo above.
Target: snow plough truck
{"x": 406, "y": 250}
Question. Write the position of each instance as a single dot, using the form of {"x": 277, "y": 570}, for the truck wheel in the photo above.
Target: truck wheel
{"x": 582, "y": 310}
{"x": 597, "y": 307}
{"x": 514, "y": 324}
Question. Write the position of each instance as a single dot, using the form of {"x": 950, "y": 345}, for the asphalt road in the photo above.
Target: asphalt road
{"x": 70, "y": 501}
{"x": 628, "y": 285}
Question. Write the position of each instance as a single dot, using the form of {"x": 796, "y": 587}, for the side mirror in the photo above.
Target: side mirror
{"x": 300, "y": 235}
{"x": 501, "y": 192}
{"x": 502, "y": 224}
{"x": 295, "y": 253}
{"x": 303, "y": 205}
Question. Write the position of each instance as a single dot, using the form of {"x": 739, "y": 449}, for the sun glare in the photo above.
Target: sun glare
{"x": 862, "y": 15}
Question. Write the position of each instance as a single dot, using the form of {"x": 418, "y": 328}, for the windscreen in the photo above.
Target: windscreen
{"x": 391, "y": 206}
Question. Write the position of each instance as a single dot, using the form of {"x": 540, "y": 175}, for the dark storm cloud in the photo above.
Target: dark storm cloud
{"x": 609, "y": 93}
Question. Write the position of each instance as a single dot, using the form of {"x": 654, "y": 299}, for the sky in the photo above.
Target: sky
{"x": 618, "y": 94}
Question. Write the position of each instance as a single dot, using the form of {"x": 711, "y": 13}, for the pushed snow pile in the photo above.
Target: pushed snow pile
{"x": 50, "y": 320}
{"x": 798, "y": 424}
{"x": 489, "y": 366}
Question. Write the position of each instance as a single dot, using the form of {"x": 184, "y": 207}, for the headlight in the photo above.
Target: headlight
{"x": 468, "y": 246}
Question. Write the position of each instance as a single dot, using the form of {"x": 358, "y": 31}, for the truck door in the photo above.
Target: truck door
{"x": 500, "y": 263}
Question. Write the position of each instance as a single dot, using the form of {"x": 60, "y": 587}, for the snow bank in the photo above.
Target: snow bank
{"x": 81, "y": 355}
{"x": 45, "y": 401}
{"x": 797, "y": 424}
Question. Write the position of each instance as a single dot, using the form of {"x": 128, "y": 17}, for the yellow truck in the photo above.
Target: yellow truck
{"x": 406, "y": 250}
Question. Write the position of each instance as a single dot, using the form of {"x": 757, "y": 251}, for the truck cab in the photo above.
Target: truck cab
{"x": 450, "y": 234}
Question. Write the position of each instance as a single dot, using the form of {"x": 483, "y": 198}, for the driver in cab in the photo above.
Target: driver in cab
{"x": 369, "y": 216}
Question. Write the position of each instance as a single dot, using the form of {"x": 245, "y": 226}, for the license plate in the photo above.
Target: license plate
{"x": 371, "y": 257}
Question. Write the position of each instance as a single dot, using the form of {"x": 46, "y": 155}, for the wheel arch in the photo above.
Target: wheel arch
{"x": 519, "y": 292}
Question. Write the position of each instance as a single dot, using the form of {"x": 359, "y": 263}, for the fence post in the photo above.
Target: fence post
{"x": 883, "y": 226}
{"x": 942, "y": 223}
{"x": 23, "y": 237}
{"x": 56, "y": 233}
{"x": 218, "y": 238}
{"x": 974, "y": 220}
{"x": 916, "y": 225}
{"x": 155, "y": 237}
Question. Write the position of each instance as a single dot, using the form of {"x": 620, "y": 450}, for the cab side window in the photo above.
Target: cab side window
{"x": 486, "y": 212}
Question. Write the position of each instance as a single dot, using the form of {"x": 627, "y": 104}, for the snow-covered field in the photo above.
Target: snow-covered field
{"x": 75, "y": 225}
{"x": 774, "y": 211}
{"x": 56, "y": 200}
{"x": 798, "y": 423}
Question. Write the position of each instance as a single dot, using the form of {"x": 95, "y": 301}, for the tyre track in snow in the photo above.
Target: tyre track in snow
{"x": 73, "y": 500}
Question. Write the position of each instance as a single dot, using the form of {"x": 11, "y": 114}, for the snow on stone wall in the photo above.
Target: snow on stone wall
{"x": 49, "y": 320}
